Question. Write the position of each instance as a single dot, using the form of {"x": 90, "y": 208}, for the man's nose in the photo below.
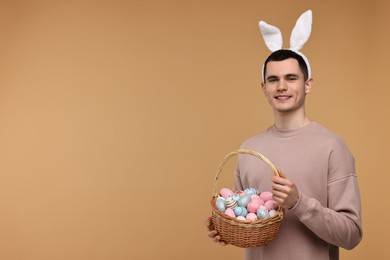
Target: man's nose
{"x": 282, "y": 85}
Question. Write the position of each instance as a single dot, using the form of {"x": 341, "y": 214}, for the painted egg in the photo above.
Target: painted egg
{"x": 258, "y": 201}
{"x": 230, "y": 212}
{"x": 220, "y": 204}
{"x": 251, "y": 191}
{"x": 235, "y": 197}
{"x": 240, "y": 211}
{"x": 266, "y": 195}
{"x": 272, "y": 212}
{"x": 244, "y": 200}
{"x": 262, "y": 213}
{"x": 271, "y": 204}
{"x": 254, "y": 196}
{"x": 241, "y": 218}
{"x": 253, "y": 206}
{"x": 225, "y": 192}
{"x": 251, "y": 216}
{"x": 230, "y": 203}
{"x": 263, "y": 207}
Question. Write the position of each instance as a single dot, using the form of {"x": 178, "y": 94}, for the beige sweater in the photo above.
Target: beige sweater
{"x": 327, "y": 215}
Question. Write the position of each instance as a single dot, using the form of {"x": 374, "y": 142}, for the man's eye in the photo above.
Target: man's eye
{"x": 291, "y": 78}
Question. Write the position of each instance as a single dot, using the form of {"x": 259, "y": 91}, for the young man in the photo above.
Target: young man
{"x": 317, "y": 186}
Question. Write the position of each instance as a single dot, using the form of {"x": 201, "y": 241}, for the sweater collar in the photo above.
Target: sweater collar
{"x": 290, "y": 132}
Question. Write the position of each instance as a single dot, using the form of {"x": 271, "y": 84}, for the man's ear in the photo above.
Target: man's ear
{"x": 263, "y": 88}
{"x": 308, "y": 85}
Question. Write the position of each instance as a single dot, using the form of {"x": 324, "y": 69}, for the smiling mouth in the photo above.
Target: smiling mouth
{"x": 282, "y": 97}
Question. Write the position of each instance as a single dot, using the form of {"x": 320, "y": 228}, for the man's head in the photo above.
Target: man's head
{"x": 285, "y": 86}
{"x": 283, "y": 54}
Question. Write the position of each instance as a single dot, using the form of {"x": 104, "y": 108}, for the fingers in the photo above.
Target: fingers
{"x": 278, "y": 195}
{"x": 212, "y": 233}
{"x": 279, "y": 182}
{"x": 209, "y": 224}
{"x": 215, "y": 237}
{"x": 284, "y": 190}
{"x": 282, "y": 185}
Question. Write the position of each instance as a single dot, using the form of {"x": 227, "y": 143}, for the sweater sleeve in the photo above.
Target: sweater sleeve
{"x": 339, "y": 222}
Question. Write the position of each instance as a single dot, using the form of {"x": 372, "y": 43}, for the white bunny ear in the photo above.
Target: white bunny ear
{"x": 301, "y": 31}
{"x": 272, "y": 36}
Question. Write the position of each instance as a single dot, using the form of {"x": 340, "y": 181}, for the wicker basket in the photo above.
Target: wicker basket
{"x": 239, "y": 232}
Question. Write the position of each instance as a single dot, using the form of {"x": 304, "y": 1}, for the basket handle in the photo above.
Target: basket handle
{"x": 241, "y": 151}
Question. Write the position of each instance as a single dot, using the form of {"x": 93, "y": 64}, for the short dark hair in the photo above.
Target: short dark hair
{"x": 284, "y": 54}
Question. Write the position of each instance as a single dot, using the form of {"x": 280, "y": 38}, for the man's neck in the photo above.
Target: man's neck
{"x": 290, "y": 121}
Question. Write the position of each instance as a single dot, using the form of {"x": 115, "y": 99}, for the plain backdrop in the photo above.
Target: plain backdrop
{"x": 115, "y": 114}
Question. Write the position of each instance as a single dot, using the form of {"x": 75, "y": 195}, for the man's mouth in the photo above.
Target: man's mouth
{"x": 282, "y": 97}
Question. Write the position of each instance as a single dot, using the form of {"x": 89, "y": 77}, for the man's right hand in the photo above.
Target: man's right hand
{"x": 212, "y": 233}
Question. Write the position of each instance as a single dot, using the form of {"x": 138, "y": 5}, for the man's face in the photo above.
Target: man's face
{"x": 285, "y": 87}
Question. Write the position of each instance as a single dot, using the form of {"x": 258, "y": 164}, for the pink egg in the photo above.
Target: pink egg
{"x": 253, "y": 206}
{"x": 271, "y": 204}
{"x": 254, "y": 196}
{"x": 266, "y": 195}
{"x": 230, "y": 212}
{"x": 258, "y": 200}
{"x": 225, "y": 192}
{"x": 251, "y": 216}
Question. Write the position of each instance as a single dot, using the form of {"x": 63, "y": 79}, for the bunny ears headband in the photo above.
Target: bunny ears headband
{"x": 300, "y": 34}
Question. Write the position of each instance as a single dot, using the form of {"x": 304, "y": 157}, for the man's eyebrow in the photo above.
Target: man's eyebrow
{"x": 292, "y": 75}
{"x": 272, "y": 77}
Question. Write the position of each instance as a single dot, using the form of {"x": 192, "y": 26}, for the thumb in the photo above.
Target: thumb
{"x": 281, "y": 174}
{"x": 209, "y": 224}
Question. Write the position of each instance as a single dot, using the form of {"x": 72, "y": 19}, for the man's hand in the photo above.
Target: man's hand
{"x": 284, "y": 191}
{"x": 212, "y": 233}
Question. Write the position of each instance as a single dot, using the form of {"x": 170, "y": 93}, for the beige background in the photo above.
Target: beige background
{"x": 115, "y": 114}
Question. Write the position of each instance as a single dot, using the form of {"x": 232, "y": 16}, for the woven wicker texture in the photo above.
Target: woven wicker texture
{"x": 244, "y": 233}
